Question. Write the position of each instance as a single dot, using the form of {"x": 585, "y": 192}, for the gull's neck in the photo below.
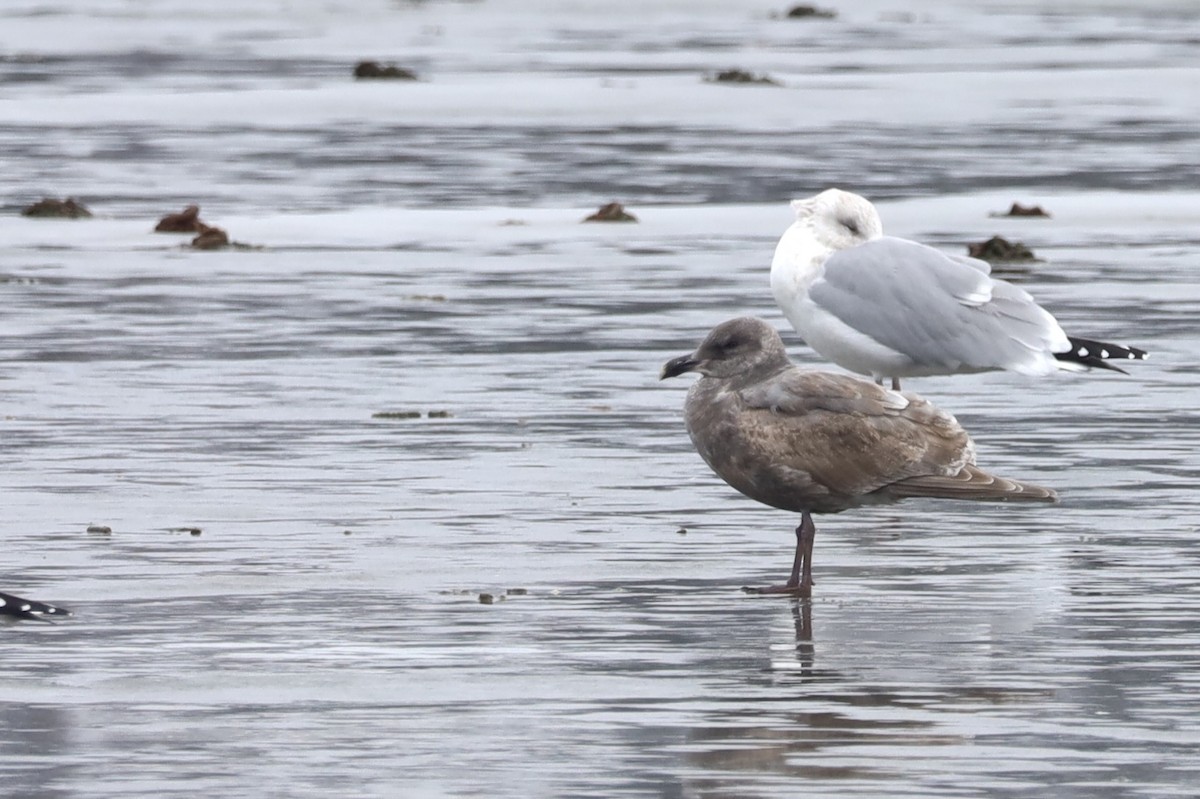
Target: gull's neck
{"x": 797, "y": 262}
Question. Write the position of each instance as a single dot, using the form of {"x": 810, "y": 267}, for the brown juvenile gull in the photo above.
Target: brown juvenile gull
{"x": 819, "y": 442}
{"x": 892, "y": 308}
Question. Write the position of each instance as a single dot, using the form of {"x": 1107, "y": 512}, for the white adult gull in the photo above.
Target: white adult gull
{"x": 891, "y": 308}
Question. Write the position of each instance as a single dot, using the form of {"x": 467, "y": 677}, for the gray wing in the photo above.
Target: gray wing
{"x": 943, "y": 312}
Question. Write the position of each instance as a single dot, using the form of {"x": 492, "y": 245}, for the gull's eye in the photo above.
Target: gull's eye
{"x": 726, "y": 344}
{"x": 851, "y": 225}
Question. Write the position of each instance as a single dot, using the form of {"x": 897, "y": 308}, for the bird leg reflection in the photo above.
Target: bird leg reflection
{"x": 805, "y": 652}
{"x": 800, "y": 582}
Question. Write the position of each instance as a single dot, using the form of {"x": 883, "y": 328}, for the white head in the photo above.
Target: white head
{"x": 839, "y": 219}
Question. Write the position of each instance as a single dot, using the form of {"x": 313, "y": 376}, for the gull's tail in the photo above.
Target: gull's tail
{"x": 1086, "y": 354}
{"x": 11, "y": 605}
{"x": 972, "y": 483}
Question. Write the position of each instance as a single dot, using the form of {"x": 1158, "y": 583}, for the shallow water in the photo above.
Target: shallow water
{"x": 418, "y": 249}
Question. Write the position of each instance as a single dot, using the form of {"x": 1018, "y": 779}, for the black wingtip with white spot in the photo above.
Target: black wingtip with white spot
{"x": 11, "y": 605}
{"x": 1097, "y": 354}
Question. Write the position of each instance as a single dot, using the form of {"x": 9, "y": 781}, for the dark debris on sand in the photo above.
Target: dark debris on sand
{"x": 612, "y": 212}
{"x": 186, "y": 221}
{"x": 211, "y": 238}
{"x": 411, "y": 415}
{"x": 1025, "y": 210}
{"x": 373, "y": 70}
{"x": 809, "y": 12}
{"x": 208, "y": 237}
{"x": 742, "y": 77}
{"x": 1000, "y": 250}
{"x": 50, "y": 208}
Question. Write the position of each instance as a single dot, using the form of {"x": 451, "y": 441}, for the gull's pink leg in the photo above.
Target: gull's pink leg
{"x": 800, "y": 582}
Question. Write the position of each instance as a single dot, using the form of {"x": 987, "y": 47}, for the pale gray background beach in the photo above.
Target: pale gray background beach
{"x": 421, "y": 251}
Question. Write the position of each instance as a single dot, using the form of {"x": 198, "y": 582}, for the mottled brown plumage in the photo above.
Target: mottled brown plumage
{"x": 819, "y": 442}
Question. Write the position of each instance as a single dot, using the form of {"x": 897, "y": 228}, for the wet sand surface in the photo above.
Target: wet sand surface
{"x": 418, "y": 248}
